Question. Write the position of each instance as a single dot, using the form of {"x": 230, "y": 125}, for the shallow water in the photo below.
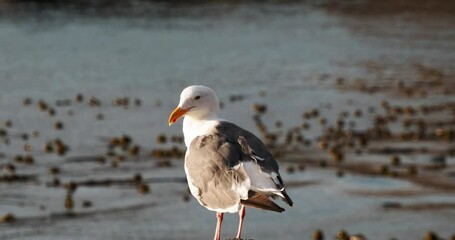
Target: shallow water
{"x": 152, "y": 53}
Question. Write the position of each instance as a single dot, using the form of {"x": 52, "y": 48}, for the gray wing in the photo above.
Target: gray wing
{"x": 210, "y": 166}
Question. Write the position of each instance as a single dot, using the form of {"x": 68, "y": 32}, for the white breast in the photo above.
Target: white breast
{"x": 193, "y": 189}
{"x": 196, "y": 127}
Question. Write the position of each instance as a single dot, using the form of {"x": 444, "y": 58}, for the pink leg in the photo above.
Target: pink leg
{"x": 219, "y": 217}
{"x": 241, "y": 217}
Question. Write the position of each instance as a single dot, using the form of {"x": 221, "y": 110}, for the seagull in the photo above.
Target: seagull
{"x": 227, "y": 167}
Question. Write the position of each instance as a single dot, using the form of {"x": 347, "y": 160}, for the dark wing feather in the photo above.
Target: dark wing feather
{"x": 252, "y": 149}
{"x": 251, "y": 146}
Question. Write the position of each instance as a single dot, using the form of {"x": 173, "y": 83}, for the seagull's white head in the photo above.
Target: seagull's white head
{"x": 198, "y": 102}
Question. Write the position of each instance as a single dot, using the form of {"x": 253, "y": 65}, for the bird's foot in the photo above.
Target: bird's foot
{"x": 239, "y": 239}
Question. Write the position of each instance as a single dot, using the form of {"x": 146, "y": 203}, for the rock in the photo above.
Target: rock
{"x": 7, "y": 218}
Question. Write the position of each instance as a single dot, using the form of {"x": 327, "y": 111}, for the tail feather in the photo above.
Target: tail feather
{"x": 283, "y": 196}
{"x": 261, "y": 201}
{"x": 287, "y": 199}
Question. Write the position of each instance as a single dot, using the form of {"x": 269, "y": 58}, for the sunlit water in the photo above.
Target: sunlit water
{"x": 240, "y": 49}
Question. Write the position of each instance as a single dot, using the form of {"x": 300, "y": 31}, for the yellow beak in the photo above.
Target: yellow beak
{"x": 176, "y": 114}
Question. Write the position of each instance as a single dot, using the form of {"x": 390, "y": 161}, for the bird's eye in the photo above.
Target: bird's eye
{"x": 197, "y": 97}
